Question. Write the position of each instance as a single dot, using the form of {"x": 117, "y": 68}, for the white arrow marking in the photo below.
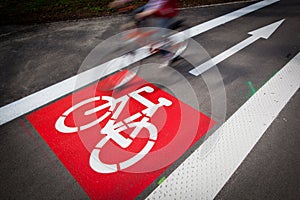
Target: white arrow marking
{"x": 264, "y": 32}
{"x": 38, "y": 99}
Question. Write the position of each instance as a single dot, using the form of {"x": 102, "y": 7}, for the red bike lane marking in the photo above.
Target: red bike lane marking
{"x": 179, "y": 127}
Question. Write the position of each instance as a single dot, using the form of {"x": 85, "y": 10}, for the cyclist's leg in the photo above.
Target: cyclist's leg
{"x": 139, "y": 9}
{"x": 162, "y": 23}
{"x": 171, "y": 49}
{"x": 179, "y": 44}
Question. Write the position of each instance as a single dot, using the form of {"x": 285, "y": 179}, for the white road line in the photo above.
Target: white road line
{"x": 264, "y": 32}
{"x": 202, "y": 177}
{"x": 38, "y": 99}
{"x": 196, "y": 30}
{"x": 217, "y": 4}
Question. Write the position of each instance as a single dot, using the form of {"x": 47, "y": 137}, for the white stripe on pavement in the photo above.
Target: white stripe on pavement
{"x": 202, "y": 176}
{"x": 38, "y": 99}
{"x": 196, "y": 30}
{"x": 264, "y": 32}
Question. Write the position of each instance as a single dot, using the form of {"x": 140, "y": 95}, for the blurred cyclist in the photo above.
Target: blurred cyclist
{"x": 162, "y": 10}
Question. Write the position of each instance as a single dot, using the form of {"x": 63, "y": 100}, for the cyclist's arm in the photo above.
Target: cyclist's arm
{"x": 145, "y": 14}
{"x": 153, "y": 7}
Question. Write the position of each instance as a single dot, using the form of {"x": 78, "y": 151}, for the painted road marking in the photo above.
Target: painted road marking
{"x": 47, "y": 95}
{"x": 264, "y": 32}
{"x": 201, "y": 28}
{"x": 99, "y": 157}
{"x": 251, "y": 87}
{"x": 203, "y": 176}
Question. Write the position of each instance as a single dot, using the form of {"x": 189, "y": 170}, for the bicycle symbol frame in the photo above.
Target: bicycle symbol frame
{"x": 112, "y": 129}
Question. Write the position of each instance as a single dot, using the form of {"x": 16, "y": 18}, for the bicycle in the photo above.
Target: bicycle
{"x": 148, "y": 41}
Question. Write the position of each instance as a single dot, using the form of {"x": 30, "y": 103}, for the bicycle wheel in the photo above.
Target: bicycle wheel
{"x": 121, "y": 72}
{"x": 118, "y": 80}
{"x": 124, "y": 63}
{"x": 178, "y": 45}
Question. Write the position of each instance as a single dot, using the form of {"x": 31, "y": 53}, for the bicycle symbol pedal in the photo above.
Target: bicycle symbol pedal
{"x": 112, "y": 129}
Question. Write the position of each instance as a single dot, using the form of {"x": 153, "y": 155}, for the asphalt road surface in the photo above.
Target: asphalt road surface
{"x": 37, "y": 57}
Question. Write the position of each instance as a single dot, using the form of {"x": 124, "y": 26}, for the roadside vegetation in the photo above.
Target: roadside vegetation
{"x": 41, "y": 11}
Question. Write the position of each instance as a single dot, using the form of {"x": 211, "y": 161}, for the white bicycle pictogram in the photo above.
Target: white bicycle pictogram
{"x": 112, "y": 128}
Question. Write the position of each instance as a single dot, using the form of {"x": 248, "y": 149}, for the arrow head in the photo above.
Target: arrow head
{"x": 266, "y": 31}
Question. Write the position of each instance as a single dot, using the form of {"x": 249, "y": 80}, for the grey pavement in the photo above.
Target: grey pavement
{"x": 37, "y": 56}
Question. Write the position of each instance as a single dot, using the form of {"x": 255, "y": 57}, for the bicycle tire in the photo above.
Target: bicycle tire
{"x": 119, "y": 72}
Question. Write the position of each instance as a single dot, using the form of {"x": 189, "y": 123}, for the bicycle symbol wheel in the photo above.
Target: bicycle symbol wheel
{"x": 101, "y": 167}
{"x": 61, "y": 126}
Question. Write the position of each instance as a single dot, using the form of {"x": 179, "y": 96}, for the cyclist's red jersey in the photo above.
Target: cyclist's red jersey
{"x": 168, "y": 10}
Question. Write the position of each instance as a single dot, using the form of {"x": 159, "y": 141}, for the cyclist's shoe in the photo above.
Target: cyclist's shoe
{"x": 176, "y": 24}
